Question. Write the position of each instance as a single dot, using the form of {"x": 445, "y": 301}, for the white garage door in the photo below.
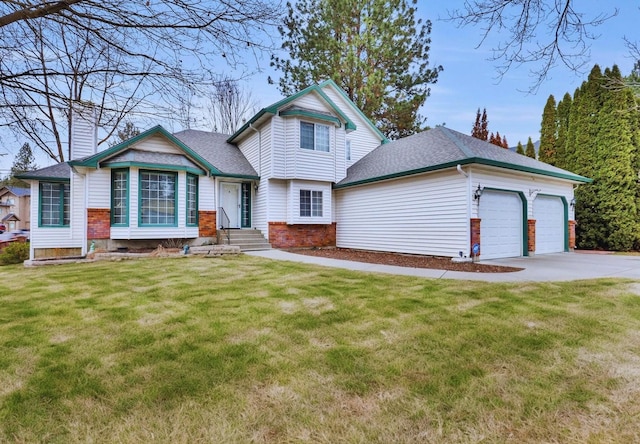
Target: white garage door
{"x": 501, "y": 225}
{"x": 548, "y": 212}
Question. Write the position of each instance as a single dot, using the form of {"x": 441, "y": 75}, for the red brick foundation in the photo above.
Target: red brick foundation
{"x": 572, "y": 235}
{"x": 282, "y": 235}
{"x": 98, "y": 223}
{"x": 475, "y": 235}
{"x": 207, "y": 224}
{"x": 531, "y": 236}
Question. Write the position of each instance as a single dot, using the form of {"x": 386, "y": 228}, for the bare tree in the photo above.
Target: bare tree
{"x": 230, "y": 106}
{"x": 122, "y": 57}
{"x": 525, "y": 23}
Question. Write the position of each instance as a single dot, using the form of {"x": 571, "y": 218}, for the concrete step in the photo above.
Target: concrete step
{"x": 247, "y": 240}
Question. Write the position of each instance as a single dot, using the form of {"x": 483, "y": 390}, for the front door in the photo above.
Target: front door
{"x": 230, "y": 203}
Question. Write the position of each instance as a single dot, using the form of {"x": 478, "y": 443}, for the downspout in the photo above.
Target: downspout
{"x": 259, "y": 163}
{"x": 469, "y": 203}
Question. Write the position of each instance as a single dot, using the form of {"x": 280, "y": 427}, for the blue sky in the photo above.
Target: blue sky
{"x": 469, "y": 80}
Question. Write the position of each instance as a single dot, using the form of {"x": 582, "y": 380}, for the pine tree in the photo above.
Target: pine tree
{"x": 530, "y": 151}
{"x": 505, "y": 144}
{"x": 23, "y": 162}
{"x": 476, "y": 130}
{"x": 520, "y": 148}
{"x": 130, "y": 130}
{"x": 481, "y": 126}
{"x": 375, "y": 50}
{"x": 548, "y": 132}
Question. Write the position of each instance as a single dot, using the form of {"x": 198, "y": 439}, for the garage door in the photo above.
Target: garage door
{"x": 548, "y": 212}
{"x": 501, "y": 225}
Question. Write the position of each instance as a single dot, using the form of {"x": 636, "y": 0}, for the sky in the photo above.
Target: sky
{"x": 470, "y": 80}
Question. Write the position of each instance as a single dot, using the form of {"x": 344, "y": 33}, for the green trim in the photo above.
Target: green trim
{"x": 468, "y": 161}
{"x": 525, "y": 218}
{"x": 312, "y": 115}
{"x": 95, "y": 160}
{"x": 186, "y": 201}
{"x": 274, "y": 108}
{"x": 245, "y": 198}
{"x": 239, "y": 176}
{"x": 127, "y": 193}
{"x": 175, "y": 199}
{"x": 44, "y": 178}
{"x": 61, "y": 185}
{"x": 383, "y": 138}
{"x": 156, "y": 166}
{"x": 566, "y": 216}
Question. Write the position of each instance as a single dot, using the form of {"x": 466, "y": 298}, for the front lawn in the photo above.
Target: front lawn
{"x": 243, "y": 349}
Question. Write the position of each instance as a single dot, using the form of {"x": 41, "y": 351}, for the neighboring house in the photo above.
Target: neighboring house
{"x": 310, "y": 170}
{"x": 15, "y": 205}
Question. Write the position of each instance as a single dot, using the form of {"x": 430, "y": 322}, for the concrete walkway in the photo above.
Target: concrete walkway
{"x": 542, "y": 268}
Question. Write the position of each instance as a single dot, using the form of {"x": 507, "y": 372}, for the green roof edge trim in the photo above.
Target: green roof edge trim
{"x": 312, "y": 115}
{"x": 383, "y": 138}
{"x": 157, "y": 166}
{"x": 476, "y": 160}
{"x": 94, "y": 160}
{"x": 349, "y": 125}
{"x": 43, "y": 178}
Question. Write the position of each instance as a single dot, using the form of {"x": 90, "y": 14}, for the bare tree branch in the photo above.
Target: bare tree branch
{"x": 525, "y": 23}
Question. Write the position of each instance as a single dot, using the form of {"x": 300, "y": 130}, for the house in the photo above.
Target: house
{"x": 310, "y": 170}
{"x": 15, "y": 203}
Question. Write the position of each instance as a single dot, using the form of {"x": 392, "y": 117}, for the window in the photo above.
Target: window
{"x": 54, "y": 204}
{"x": 347, "y": 149}
{"x": 119, "y": 197}
{"x": 310, "y": 203}
{"x": 158, "y": 198}
{"x": 192, "y": 199}
{"x": 314, "y": 136}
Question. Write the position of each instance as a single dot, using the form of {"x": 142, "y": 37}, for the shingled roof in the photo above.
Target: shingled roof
{"x": 59, "y": 171}
{"x": 441, "y": 148}
{"x": 214, "y": 148}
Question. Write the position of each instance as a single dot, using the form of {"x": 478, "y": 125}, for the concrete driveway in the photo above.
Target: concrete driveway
{"x": 542, "y": 268}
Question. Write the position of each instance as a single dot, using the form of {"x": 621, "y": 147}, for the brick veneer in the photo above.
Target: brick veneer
{"x": 98, "y": 223}
{"x": 531, "y": 234}
{"x": 282, "y": 235}
{"x": 207, "y": 223}
{"x": 475, "y": 235}
{"x": 572, "y": 235}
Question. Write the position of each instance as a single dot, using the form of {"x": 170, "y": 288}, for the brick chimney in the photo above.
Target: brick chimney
{"x": 84, "y": 131}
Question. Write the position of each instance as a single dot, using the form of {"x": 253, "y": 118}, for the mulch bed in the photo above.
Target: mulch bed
{"x": 402, "y": 260}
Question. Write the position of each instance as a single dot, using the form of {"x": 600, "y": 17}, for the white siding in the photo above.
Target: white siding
{"x": 278, "y": 208}
{"x": 84, "y": 132}
{"x": 529, "y": 184}
{"x": 157, "y": 144}
{"x": 259, "y": 205}
{"x": 206, "y": 194}
{"x": 99, "y": 188}
{"x": 278, "y": 148}
{"x": 250, "y": 149}
{"x": 426, "y": 214}
{"x": 364, "y": 139}
{"x": 293, "y": 191}
{"x": 308, "y": 164}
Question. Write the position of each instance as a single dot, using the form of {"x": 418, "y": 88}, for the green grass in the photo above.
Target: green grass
{"x": 250, "y": 350}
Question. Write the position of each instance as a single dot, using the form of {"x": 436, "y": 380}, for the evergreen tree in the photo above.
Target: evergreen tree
{"x": 375, "y": 50}
{"x": 530, "y": 151}
{"x": 562, "y": 118}
{"x": 130, "y": 130}
{"x": 548, "y": 132}
{"x": 24, "y": 161}
{"x": 505, "y": 144}
{"x": 480, "y": 126}
{"x": 520, "y": 149}
{"x": 616, "y": 184}
{"x": 475, "y": 131}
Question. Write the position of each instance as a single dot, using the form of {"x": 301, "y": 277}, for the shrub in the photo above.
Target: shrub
{"x": 14, "y": 253}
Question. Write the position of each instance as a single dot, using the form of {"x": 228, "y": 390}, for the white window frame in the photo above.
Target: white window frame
{"x": 311, "y": 205}
{"x": 317, "y": 137}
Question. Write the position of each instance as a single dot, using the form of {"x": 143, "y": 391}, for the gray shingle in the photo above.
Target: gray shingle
{"x": 213, "y": 148}
{"x": 134, "y": 155}
{"x": 57, "y": 171}
{"x": 440, "y": 146}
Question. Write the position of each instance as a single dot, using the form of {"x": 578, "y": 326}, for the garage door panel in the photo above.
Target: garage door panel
{"x": 501, "y": 225}
{"x": 548, "y": 211}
